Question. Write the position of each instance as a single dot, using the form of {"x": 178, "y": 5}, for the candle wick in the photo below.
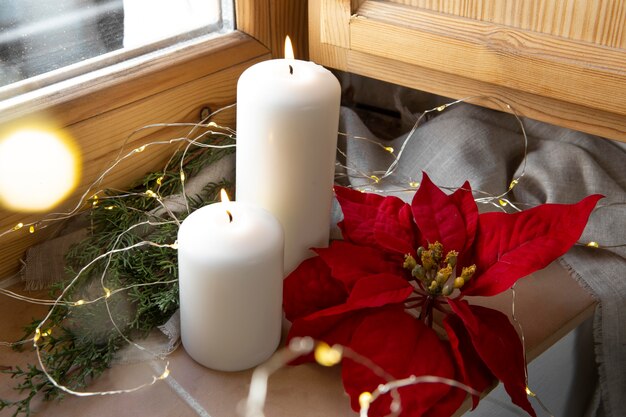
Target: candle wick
{"x": 290, "y": 69}
{"x": 230, "y": 216}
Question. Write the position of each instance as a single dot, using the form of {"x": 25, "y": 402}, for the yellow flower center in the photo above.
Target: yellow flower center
{"x": 437, "y": 273}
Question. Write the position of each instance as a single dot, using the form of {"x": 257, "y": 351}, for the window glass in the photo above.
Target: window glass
{"x": 38, "y": 37}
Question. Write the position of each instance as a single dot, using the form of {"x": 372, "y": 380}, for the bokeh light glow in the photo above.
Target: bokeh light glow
{"x": 38, "y": 169}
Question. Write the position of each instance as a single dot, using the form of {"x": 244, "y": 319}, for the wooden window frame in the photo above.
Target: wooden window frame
{"x": 561, "y": 81}
{"x": 100, "y": 110}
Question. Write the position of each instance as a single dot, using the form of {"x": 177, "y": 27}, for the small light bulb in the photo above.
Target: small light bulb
{"x": 18, "y": 226}
{"x": 326, "y": 355}
{"x": 150, "y": 193}
{"x": 513, "y": 184}
{"x": 389, "y": 149}
{"x": 365, "y": 399}
{"x": 31, "y": 229}
{"x": 593, "y": 244}
{"x": 375, "y": 178}
{"x": 140, "y": 149}
{"x": 414, "y": 184}
{"x": 79, "y": 303}
{"x": 159, "y": 180}
{"x": 107, "y": 292}
{"x": 182, "y": 176}
{"x": 39, "y": 167}
{"x": 502, "y": 202}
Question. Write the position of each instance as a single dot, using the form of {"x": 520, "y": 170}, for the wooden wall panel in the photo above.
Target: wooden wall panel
{"x": 601, "y": 22}
{"x": 289, "y": 17}
{"x": 325, "y": 52}
{"x": 269, "y": 21}
{"x": 335, "y": 31}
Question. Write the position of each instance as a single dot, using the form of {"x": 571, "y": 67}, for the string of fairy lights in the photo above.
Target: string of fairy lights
{"x": 411, "y": 184}
{"x": 325, "y": 355}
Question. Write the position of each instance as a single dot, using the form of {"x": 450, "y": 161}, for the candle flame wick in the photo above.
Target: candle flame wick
{"x": 230, "y": 216}
{"x": 290, "y": 69}
{"x": 288, "y": 49}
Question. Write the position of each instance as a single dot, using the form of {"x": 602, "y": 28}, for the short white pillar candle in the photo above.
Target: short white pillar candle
{"x": 230, "y": 258}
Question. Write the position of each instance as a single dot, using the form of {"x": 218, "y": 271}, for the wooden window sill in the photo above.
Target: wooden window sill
{"x": 549, "y": 304}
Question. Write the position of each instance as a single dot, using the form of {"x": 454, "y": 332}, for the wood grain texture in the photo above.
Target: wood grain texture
{"x": 548, "y": 110}
{"x": 355, "y": 4}
{"x": 289, "y": 17}
{"x": 321, "y": 52}
{"x": 269, "y": 21}
{"x": 401, "y": 64}
{"x": 336, "y": 31}
{"x": 601, "y": 22}
{"x": 570, "y": 71}
{"x": 100, "y": 138}
{"x": 253, "y": 18}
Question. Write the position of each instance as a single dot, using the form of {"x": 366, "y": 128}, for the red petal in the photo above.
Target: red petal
{"x": 370, "y": 292}
{"x": 451, "y": 403}
{"x": 449, "y": 220}
{"x": 376, "y": 221}
{"x": 499, "y": 347}
{"x": 394, "y": 229}
{"x": 359, "y": 215}
{"x": 473, "y": 371}
{"x": 511, "y": 246}
{"x": 402, "y": 346}
{"x": 464, "y": 200}
{"x": 337, "y": 323}
{"x": 349, "y": 262}
{"x": 310, "y": 288}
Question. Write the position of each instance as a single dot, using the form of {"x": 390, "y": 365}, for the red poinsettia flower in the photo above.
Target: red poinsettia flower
{"x": 377, "y": 291}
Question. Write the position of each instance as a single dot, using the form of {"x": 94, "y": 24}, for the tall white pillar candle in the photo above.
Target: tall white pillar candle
{"x": 230, "y": 259}
{"x": 287, "y": 121}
